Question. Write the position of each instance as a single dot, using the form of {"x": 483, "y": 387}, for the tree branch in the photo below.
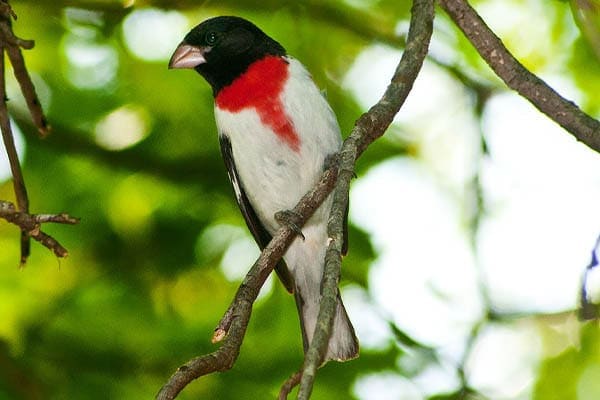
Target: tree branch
{"x": 564, "y": 112}
{"x": 28, "y": 90}
{"x": 236, "y": 318}
{"x": 289, "y": 384}
{"x": 368, "y": 128}
{"x": 30, "y": 225}
{"x": 6, "y": 42}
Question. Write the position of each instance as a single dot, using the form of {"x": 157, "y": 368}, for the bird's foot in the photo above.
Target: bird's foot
{"x": 333, "y": 160}
{"x": 290, "y": 218}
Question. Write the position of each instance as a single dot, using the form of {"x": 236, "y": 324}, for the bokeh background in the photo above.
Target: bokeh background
{"x": 472, "y": 220}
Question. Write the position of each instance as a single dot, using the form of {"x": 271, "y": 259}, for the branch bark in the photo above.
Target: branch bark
{"x": 564, "y": 112}
{"x": 8, "y": 41}
{"x": 13, "y": 159}
{"x": 368, "y": 128}
{"x": 30, "y": 225}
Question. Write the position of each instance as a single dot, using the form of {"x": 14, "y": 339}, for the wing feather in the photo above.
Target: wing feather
{"x": 260, "y": 234}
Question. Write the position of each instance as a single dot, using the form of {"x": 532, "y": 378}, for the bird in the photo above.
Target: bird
{"x": 277, "y": 133}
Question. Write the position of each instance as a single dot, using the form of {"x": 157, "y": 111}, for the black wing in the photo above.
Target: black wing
{"x": 260, "y": 234}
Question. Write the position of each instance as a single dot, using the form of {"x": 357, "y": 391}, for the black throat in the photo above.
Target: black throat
{"x": 221, "y": 71}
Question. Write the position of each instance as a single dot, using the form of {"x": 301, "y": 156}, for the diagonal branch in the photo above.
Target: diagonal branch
{"x": 13, "y": 45}
{"x": 28, "y": 90}
{"x": 564, "y": 112}
{"x": 368, "y": 128}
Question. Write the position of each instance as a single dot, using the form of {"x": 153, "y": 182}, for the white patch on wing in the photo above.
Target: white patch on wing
{"x": 236, "y": 186}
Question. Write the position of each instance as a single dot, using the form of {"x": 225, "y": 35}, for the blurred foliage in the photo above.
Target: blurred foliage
{"x": 587, "y": 16}
{"x": 139, "y": 295}
{"x": 573, "y": 374}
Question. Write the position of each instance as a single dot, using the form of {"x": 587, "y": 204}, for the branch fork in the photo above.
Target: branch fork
{"x": 31, "y": 225}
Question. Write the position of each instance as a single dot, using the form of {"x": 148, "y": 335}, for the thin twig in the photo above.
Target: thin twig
{"x": 224, "y": 324}
{"x": 13, "y": 158}
{"x": 30, "y": 225}
{"x": 6, "y": 41}
{"x": 564, "y": 112}
{"x": 13, "y": 44}
{"x": 369, "y": 127}
{"x": 289, "y": 385}
{"x": 6, "y": 29}
{"x": 6, "y": 10}
{"x": 28, "y": 90}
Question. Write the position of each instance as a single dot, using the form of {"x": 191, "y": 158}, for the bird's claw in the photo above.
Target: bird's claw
{"x": 290, "y": 218}
{"x": 333, "y": 160}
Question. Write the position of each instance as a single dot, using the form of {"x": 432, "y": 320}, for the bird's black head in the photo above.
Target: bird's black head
{"x": 222, "y": 48}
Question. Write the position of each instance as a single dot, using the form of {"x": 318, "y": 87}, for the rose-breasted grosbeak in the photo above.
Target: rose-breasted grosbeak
{"x": 276, "y": 131}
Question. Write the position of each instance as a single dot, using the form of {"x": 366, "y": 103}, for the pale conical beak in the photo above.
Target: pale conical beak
{"x": 187, "y": 56}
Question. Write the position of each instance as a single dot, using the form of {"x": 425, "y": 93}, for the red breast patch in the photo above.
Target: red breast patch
{"x": 260, "y": 88}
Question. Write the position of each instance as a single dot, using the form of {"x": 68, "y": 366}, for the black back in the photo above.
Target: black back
{"x": 232, "y": 44}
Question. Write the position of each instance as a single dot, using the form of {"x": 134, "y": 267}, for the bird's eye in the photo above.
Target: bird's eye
{"x": 211, "y": 38}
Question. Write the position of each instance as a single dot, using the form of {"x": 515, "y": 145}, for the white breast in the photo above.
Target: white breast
{"x": 273, "y": 175}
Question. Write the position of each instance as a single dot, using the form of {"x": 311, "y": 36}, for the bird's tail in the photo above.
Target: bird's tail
{"x": 306, "y": 259}
{"x": 343, "y": 344}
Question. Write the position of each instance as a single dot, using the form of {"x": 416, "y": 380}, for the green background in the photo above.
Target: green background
{"x": 142, "y": 288}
